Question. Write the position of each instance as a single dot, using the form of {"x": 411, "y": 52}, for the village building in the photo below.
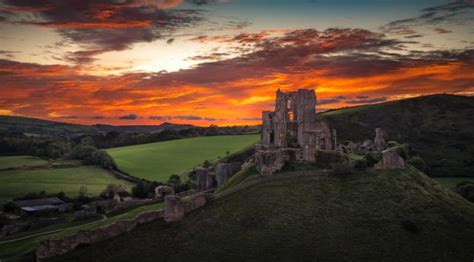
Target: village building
{"x": 38, "y": 206}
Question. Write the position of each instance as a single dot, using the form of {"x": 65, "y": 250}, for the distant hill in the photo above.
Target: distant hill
{"x": 440, "y": 128}
{"x": 35, "y": 126}
{"x": 389, "y": 216}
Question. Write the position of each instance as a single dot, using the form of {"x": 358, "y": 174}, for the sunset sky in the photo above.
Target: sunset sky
{"x": 130, "y": 62}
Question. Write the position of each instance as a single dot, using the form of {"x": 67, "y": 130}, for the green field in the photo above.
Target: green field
{"x": 19, "y": 181}
{"x": 451, "y": 182}
{"x": 157, "y": 161}
{"x": 20, "y": 161}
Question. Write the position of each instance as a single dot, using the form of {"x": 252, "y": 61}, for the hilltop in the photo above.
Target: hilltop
{"x": 396, "y": 215}
{"x": 440, "y": 128}
{"x": 34, "y": 126}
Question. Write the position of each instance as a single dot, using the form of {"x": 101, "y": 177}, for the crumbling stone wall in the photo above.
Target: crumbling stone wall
{"x": 162, "y": 191}
{"x": 206, "y": 179}
{"x": 174, "y": 208}
{"x": 391, "y": 159}
{"x": 193, "y": 202}
{"x": 380, "y": 139}
{"x": 52, "y": 248}
{"x": 224, "y": 171}
{"x": 271, "y": 161}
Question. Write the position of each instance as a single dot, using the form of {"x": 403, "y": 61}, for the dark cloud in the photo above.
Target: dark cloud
{"x": 100, "y": 26}
{"x": 128, "y": 117}
{"x": 8, "y": 54}
{"x": 455, "y": 13}
{"x": 328, "y": 101}
{"x": 159, "y": 118}
{"x": 440, "y": 30}
{"x": 294, "y": 51}
{"x": 213, "y": 56}
{"x": 190, "y": 117}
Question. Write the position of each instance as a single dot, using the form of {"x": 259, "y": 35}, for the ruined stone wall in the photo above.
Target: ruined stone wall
{"x": 280, "y": 120}
{"x": 306, "y": 116}
{"x": 271, "y": 161}
{"x": 176, "y": 207}
{"x": 52, "y": 248}
{"x": 194, "y": 202}
{"x": 110, "y": 205}
{"x": 267, "y": 128}
{"x": 224, "y": 171}
{"x": 391, "y": 159}
{"x": 206, "y": 179}
{"x": 380, "y": 139}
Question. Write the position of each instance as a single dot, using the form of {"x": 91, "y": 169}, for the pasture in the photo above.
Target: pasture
{"x": 157, "y": 161}
{"x": 17, "y": 182}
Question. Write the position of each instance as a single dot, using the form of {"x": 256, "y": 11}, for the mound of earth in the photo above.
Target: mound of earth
{"x": 309, "y": 216}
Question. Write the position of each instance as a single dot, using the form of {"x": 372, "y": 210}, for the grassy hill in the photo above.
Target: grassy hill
{"x": 157, "y": 161}
{"x": 439, "y": 127}
{"x": 25, "y": 174}
{"x": 370, "y": 216}
{"x": 34, "y": 126}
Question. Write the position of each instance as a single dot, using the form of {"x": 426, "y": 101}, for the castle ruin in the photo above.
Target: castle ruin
{"x": 291, "y": 132}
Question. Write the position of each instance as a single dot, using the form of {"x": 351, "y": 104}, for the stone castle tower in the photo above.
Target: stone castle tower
{"x": 291, "y": 132}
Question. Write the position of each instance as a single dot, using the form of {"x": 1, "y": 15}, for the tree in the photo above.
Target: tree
{"x": 140, "y": 190}
{"x": 466, "y": 190}
{"x": 418, "y": 162}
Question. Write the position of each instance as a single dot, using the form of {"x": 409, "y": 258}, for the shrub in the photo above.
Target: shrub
{"x": 174, "y": 180}
{"x": 418, "y": 162}
{"x": 391, "y": 144}
{"x": 360, "y": 163}
{"x": 325, "y": 158}
{"x": 404, "y": 151}
{"x": 466, "y": 190}
{"x": 372, "y": 158}
{"x": 206, "y": 164}
{"x": 111, "y": 190}
{"x": 140, "y": 190}
{"x": 103, "y": 159}
{"x": 342, "y": 169}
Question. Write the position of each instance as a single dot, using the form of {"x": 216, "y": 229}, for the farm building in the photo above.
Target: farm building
{"x": 39, "y": 206}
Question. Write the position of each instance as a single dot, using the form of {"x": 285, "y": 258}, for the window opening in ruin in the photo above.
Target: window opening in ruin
{"x": 291, "y": 116}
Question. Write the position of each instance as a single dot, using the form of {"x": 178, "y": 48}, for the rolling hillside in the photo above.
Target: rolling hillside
{"x": 157, "y": 161}
{"x": 440, "y": 128}
{"x": 35, "y": 126}
{"x": 394, "y": 216}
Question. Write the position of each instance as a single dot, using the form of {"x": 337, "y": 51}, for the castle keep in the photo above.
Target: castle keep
{"x": 291, "y": 132}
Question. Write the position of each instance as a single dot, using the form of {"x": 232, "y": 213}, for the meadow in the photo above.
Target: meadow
{"x": 451, "y": 182}
{"x": 157, "y": 161}
{"x": 30, "y": 176}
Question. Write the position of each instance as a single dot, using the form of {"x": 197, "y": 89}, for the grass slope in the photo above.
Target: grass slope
{"x": 10, "y": 162}
{"x": 17, "y": 182}
{"x": 392, "y": 216}
{"x": 157, "y": 161}
{"x": 439, "y": 127}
